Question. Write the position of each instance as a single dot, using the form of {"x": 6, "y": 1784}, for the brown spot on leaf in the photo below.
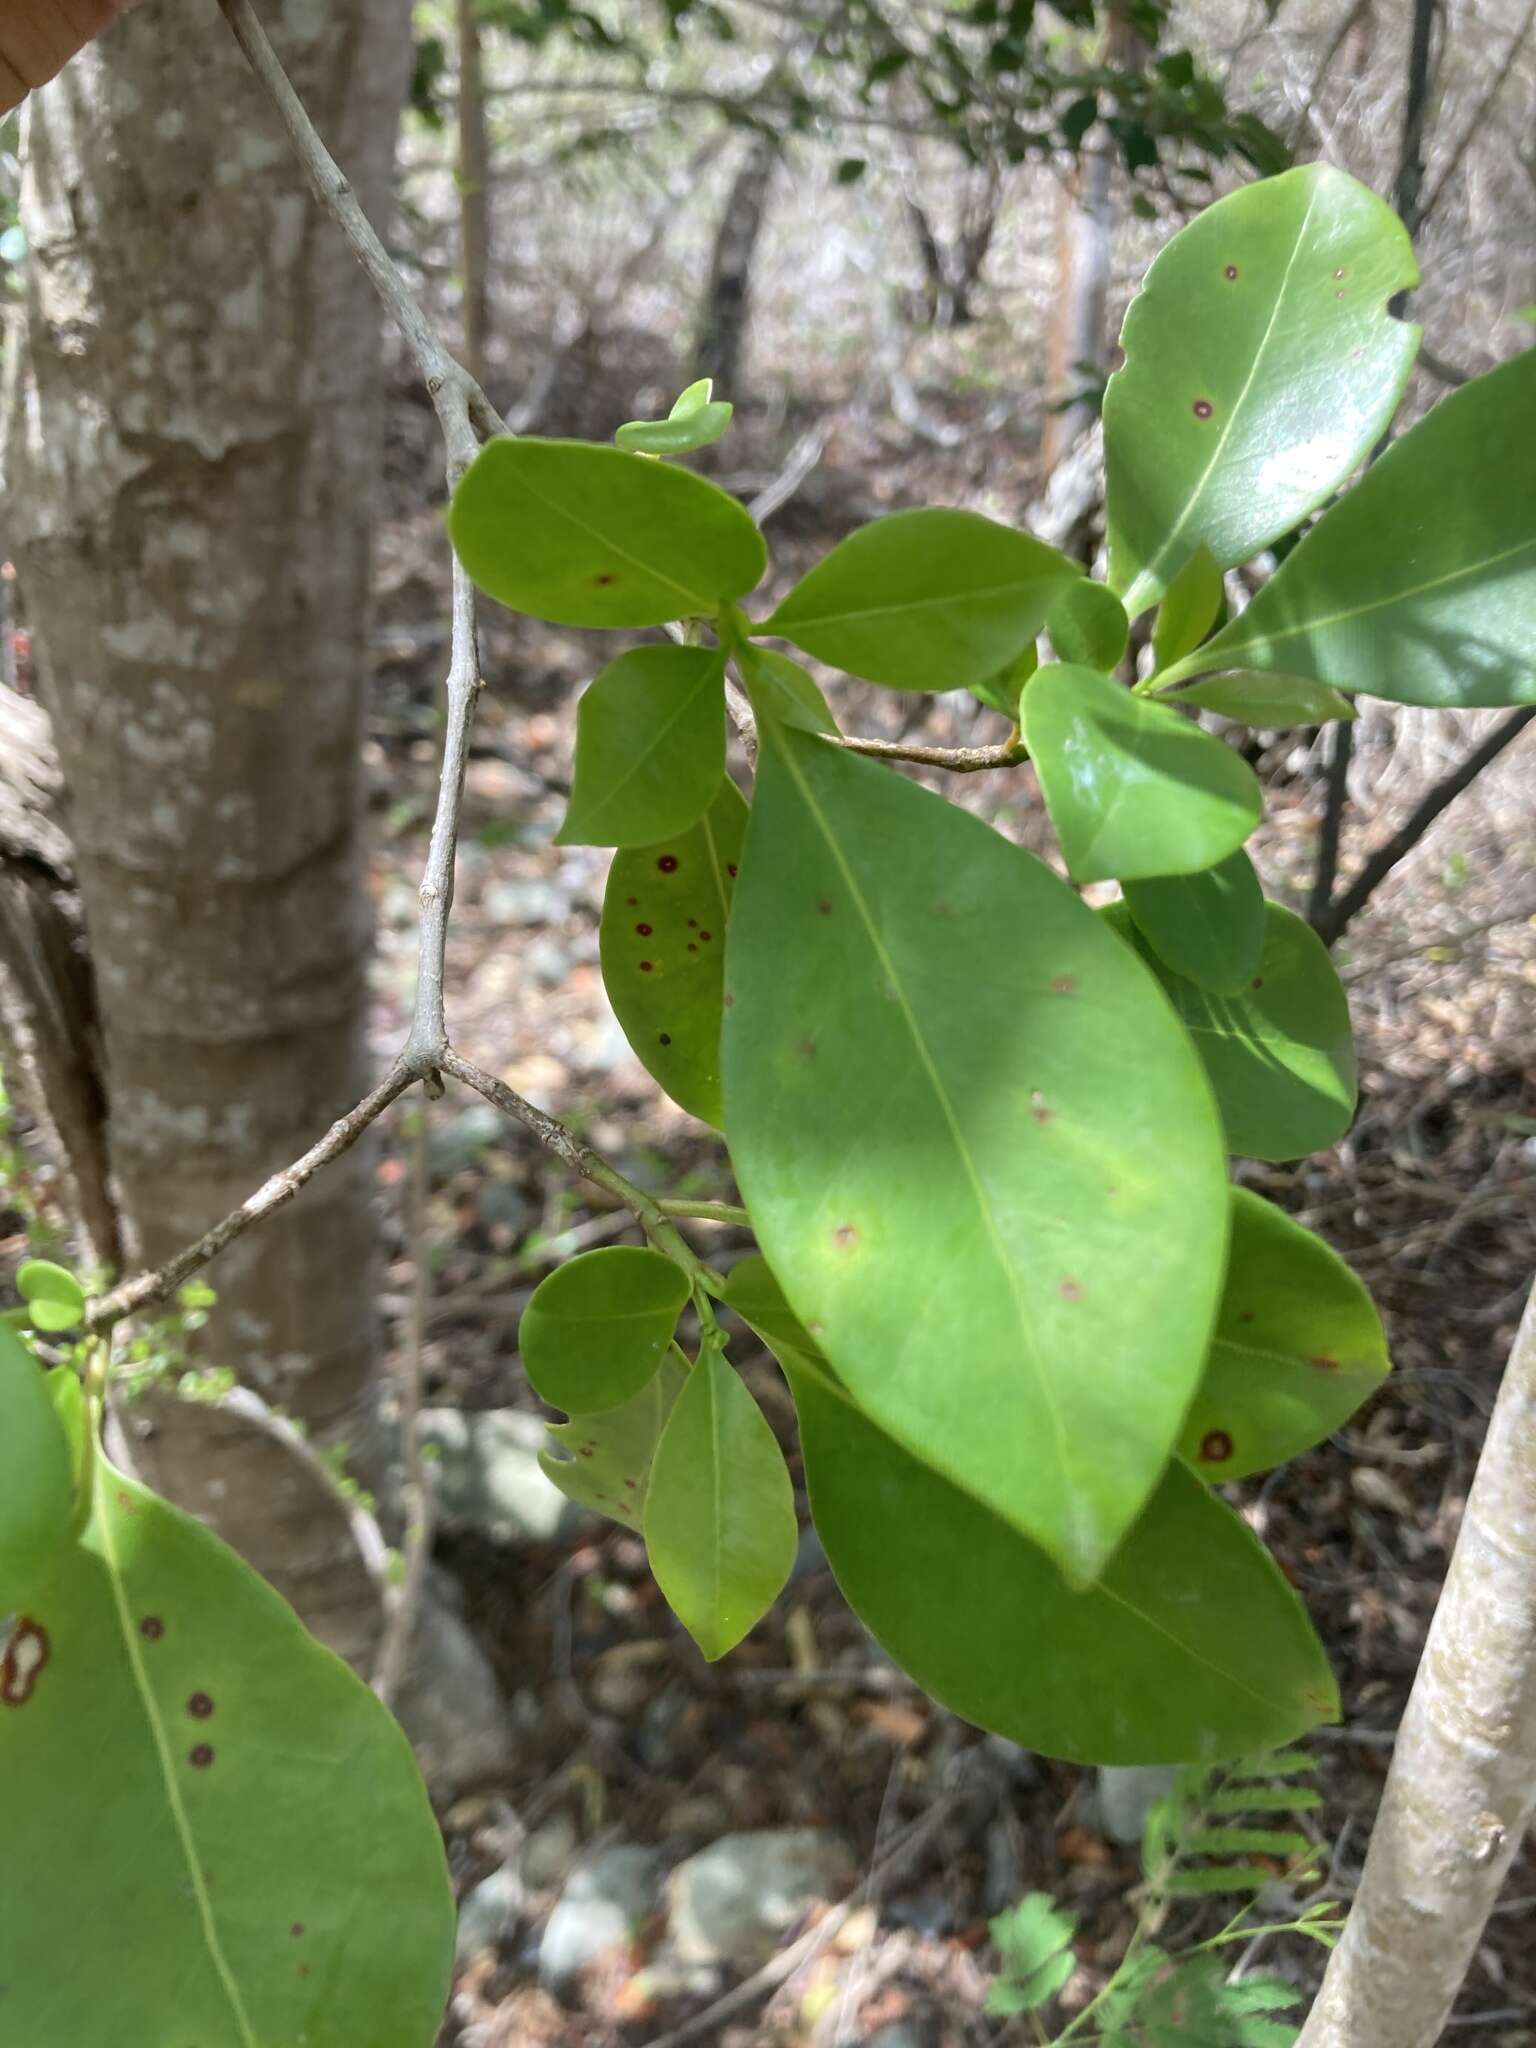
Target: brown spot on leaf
{"x": 1202, "y": 408}
{"x": 200, "y": 1706}
{"x": 1246, "y": 1316}
{"x": 644, "y": 930}
{"x": 706, "y": 937}
{"x": 666, "y": 1038}
{"x": 152, "y": 1627}
{"x": 1064, "y": 985}
{"x": 806, "y": 1046}
{"x": 1215, "y": 1447}
{"x": 668, "y": 863}
{"x": 1040, "y": 1109}
{"x": 1258, "y": 981}
{"x": 26, "y": 1658}
{"x": 297, "y": 1929}
{"x": 1230, "y": 272}
{"x": 631, "y": 901}
{"x": 201, "y": 1757}
{"x": 845, "y": 1237}
{"x": 729, "y": 1002}
{"x": 604, "y": 577}
{"x": 730, "y": 869}
{"x": 824, "y": 908}
{"x": 1325, "y": 1364}
{"x": 1070, "y": 1289}
{"x": 647, "y": 966}
{"x": 692, "y": 947}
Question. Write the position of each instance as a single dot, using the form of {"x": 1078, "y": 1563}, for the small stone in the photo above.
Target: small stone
{"x": 605, "y": 1900}
{"x": 489, "y": 1914}
{"x": 488, "y": 1475}
{"x": 907, "y": 2033}
{"x": 735, "y": 1901}
{"x": 548, "y": 1853}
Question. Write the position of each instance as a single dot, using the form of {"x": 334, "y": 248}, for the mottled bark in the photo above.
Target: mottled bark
{"x": 190, "y": 475}
{"x": 728, "y": 296}
{"x": 1462, "y": 1787}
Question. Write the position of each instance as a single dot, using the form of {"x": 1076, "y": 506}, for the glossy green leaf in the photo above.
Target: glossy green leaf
{"x": 596, "y": 1329}
{"x": 752, "y": 1292}
{"x": 1271, "y": 702}
{"x": 236, "y": 1804}
{"x": 1298, "y": 1347}
{"x": 36, "y": 1481}
{"x": 55, "y": 1297}
{"x": 1133, "y": 788}
{"x": 1420, "y": 585}
{"x": 1208, "y": 927}
{"x": 1003, "y": 691}
{"x": 663, "y": 951}
{"x": 68, "y": 1398}
{"x": 584, "y": 535}
{"x": 1279, "y": 1054}
{"x": 603, "y": 1461}
{"x": 681, "y": 432}
{"x": 1190, "y": 607}
{"x": 795, "y": 695}
{"x": 926, "y": 600}
{"x": 650, "y": 747}
{"x": 1261, "y": 364}
{"x": 720, "y": 1526}
{"x": 1191, "y": 1647}
{"x": 693, "y": 398}
{"x": 1088, "y": 626}
{"x": 925, "y": 1062}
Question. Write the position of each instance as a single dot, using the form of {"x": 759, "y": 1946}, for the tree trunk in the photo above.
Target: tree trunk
{"x": 191, "y": 468}
{"x": 727, "y": 302}
{"x": 1462, "y": 1787}
{"x": 474, "y": 169}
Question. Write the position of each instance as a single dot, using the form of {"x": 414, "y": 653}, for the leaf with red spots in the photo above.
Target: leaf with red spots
{"x": 1133, "y": 788}
{"x": 1025, "y": 1302}
{"x": 596, "y": 1329}
{"x": 670, "y": 1012}
{"x": 1298, "y": 1347}
{"x": 1245, "y": 400}
{"x": 720, "y": 1512}
{"x": 603, "y": 1462}
{"x": 650, "y": 747}
{"x": 37, "y": 1493}
{"x": 1191, "y": 1647}
{"x": 217, "y": 1777}
{"x": 584, "y": 535}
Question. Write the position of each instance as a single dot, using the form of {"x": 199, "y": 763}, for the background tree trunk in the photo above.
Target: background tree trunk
{"x": 474, "y": 171}
{"x": 1462, "y": 1788}
{"x": 728, "y": 296}
{"x": 191, "y": 469}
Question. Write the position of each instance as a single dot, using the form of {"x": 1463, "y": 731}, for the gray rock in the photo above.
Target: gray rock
{"x": 1126, "y": 1795}
{"x": 548, "y": 1852}
{"x": 449, "y": 1702}
{"x": 908, "y": 2033}
{"x": 489, "y": 1913}
{"x": 735, "y": 1901}
{"x": 487, "y": 1474}
{"x": 524, "y": 901}
{"x": 605, "y": 1899}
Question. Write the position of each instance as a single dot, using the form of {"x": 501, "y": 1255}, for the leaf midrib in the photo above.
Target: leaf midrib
{"x": 819, "y": 621}
{"x": 709, "y": 674}
{"x": 941, "y": 1094}
{"x": 696, "y": 599}
{"x": 182, "y": 1824}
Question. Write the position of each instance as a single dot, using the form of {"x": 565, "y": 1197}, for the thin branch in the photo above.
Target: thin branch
{"x": 429, "y": 1029}
{"x": 420, "y": 1495}
{"x": 706, "y": 1212}
{"x": 463, "y": 409}
{"x": 147, "y": 1289}
{"x": 959, "y": 760}
{"x": 1330, "y": 918}
{"x": 1335, "y": 800}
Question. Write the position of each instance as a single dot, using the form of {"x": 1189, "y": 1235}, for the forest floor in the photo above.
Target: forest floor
{"x": 625, "y": 1734}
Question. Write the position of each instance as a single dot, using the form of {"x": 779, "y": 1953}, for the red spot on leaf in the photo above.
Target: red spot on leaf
{"x": 1215, "y": 1447}
{"x": 1070, "y": 1289}
{"x": 730, "y": 869}
{"x": 706, "y": 937}
{"x": 845, "y": 1237}
{"x": 1258, "y": 981}
{"x": 1202, "y": 408}
{"x": 668, "y": 863}
{"x": 606, "y": 577}
{"x": 644, "y": 930}
{"x": 152, "y": 1627}
{"x": 1246, "y": 1316}
{"x": 647, "y": 966}
{"x": 26, "y": 1658}
{"x": 1230, "y": 272}
{"x": 692, "y": 947}
{"x": 200, "y": 1706}
{"x": 201, "y": 1757}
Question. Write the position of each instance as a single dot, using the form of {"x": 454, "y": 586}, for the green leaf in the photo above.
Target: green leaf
{"x": 603, "y": 1462}
{"x": 1218, "y": 1881}
{"x": 794, "y": 695}
{"x": 1298, "y": 1347}
{"x": 1133, "y": 789}
{"x": 720, "y": 1513}
{"x": 1003, "y": 691}
{"x": 927, "y": 1035}
{"x": 584, "y": 535}
{"x": 650, "y": 747}
{"x": 1191, "y": 1646}
{"x": 1420, "y": 585}
{"x": 925, "y": 600}
{"x": 1208, "y": 927}
{"x": 1261, "y": 364}
{"x": 37, "y": 1494}
{"x": 596, "y": 1329}
{"x": 694, "y": 422}
{"x": 1034, "y": 1940}
{"x": 1279, "y": 1053}
{"x": 54, "y": 1296}
{"x": 1284, "y": 1842}
{"x": 752, "y": 1292}
{"x": 1189, "y": 608}
{"x": 1087, "y": 625}
{"x": 1239, "y": 1798}
{"x": 1270, "y": 702}
{"x": 663, "y": 951}
{"x": 228, "y": 1790}
{"x": 1280, "y": 1763}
